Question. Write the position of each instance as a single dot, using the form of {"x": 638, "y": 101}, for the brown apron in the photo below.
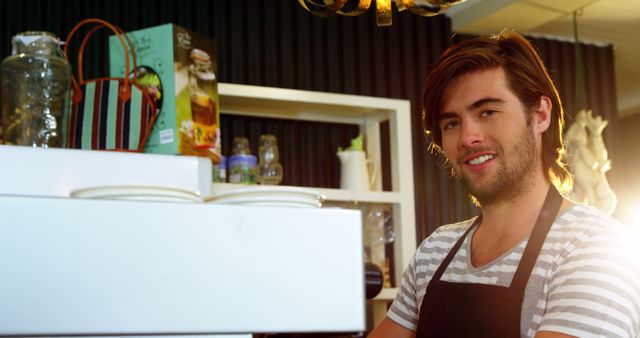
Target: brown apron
{"x": 477, "y": 310}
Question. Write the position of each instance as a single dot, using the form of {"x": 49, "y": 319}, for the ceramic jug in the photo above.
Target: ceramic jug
{"x": 354, "y": 170}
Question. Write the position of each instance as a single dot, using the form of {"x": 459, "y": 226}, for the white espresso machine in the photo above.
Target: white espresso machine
{"x": 100, "y": 267}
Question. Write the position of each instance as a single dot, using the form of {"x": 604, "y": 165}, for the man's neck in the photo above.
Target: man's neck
{"x": 506, "y": 223}
{"x": 512, "y": 213}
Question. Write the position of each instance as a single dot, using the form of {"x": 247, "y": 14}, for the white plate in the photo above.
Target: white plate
{"x": 137, "y": 193}
{"x": 263, "y": 198}
{"x": 270, "y": 204}
{"x": 269, "y": 196}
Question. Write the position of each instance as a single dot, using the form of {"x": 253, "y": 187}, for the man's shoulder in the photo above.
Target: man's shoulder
{"x": 458, "y": 227}
{"x": 596, "y": 276}
{"x": 583, "y": 212}
{"x": 448, "y": 233}
{"x": 588, "y": 221}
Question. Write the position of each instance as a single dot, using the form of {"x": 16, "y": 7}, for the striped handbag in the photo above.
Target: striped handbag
{"x": 108, "y": 113}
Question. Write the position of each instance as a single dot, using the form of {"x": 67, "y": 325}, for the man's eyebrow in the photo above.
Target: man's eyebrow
{"x": 445, "y": 115}
{"x": 484, "y": 101}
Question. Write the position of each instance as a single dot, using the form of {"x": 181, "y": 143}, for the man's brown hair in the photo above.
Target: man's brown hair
{"x": 527, "y": 77}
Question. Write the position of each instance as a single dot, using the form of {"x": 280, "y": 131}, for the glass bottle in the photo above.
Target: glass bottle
{"x": 269, "y": 167}
{"x": 35, "y": 82}
{"x": 219, "y": 170}
{"x": 202, "y": 86}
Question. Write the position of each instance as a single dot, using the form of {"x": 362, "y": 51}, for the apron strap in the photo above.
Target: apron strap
{"x": 454, "y": 249}
{"x": 547, "y": 215}
{"x": 545, "y": 219}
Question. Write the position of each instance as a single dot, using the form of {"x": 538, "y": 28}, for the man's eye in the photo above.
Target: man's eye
{"x": 487, "y": 113}
{"x": 449, "y": 124}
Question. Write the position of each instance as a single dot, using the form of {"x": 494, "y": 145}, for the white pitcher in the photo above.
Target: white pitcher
{"x": 354, "y": 170}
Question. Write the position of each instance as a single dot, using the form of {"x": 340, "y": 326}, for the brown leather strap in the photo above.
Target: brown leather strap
{"x": 86, "y": 39}
{"x": 125, "y": 90}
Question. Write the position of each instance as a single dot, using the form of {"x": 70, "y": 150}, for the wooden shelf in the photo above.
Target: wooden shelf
{"x": 386, "y": 295}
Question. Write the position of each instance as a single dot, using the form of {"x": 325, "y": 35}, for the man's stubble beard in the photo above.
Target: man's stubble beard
{"x": 513, "y": 177}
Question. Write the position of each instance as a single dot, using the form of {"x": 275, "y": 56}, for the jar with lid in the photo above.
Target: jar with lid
{"x": 269, "y": 167}
{"x": 202, "y": 87}
{"x": 219, "y": 170}
{"x": 242, "y": 165}
{"x": 35, "y": 82}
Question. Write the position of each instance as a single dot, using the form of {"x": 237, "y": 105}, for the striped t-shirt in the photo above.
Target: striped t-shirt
{"x": 585, "y": 283}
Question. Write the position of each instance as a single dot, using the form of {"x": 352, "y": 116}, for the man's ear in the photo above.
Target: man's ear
{"x": 542, "y": 115}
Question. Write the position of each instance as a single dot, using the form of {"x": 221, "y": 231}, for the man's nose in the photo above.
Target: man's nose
{"x": 470, "y": 133}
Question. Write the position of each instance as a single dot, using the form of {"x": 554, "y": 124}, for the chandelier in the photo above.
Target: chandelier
{"x": 324, "y": 8}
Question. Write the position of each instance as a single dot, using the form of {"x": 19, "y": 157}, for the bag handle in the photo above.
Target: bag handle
{"x": 125, "y": 91}
{"x": 86, "y": 39}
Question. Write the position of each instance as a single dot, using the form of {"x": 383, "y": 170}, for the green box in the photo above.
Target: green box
{"x": 177, "y": 67}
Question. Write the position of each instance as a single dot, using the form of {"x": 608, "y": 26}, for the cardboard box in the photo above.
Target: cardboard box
{"x": 178, "y": 68}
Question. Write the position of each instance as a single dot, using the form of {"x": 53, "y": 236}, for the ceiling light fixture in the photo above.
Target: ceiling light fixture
{"x": 325, "y": 8}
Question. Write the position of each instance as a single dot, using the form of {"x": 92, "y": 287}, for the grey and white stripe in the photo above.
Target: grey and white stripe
{"x": 586, "y": 281}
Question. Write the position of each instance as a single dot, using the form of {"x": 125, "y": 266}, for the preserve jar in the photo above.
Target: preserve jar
{"x": 242, "y": 165}
{"x": 202, "y": 85}
{"x": 269, "y": 167}
{"x": 35, "y": 82}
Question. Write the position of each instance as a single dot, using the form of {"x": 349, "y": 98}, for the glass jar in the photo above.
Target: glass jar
{"x": 269, "y": 167}
{"x": 202, "y": 85}
{"x": 35, "y": 83}
{"x": 220, "y": 170}
{"x": 242, "y": 165}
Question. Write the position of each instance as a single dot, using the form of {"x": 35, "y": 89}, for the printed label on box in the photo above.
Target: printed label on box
{"x": 166, "y": 136}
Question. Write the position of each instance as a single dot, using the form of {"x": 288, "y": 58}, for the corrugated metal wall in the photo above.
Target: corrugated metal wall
{"x": 276, "y": 43}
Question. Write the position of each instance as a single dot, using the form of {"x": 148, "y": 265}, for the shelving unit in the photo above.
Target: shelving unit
{"x": 367, "y": 113}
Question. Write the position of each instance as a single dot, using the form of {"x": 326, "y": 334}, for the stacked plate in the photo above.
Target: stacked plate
{"x": 269, "y": 196}
{"x": 136, "y": 192}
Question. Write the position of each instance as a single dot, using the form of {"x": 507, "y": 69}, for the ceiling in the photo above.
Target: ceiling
{"x": 615, "y": 22}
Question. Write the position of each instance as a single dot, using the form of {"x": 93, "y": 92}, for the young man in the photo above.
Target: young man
{"x": 533, "y": 264}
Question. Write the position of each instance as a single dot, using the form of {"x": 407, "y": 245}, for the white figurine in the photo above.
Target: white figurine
{"x": 589, "y": 162}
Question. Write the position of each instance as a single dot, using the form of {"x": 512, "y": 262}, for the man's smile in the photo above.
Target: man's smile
{"x": 477, "y": 158}
{"x": 480, "y": 159}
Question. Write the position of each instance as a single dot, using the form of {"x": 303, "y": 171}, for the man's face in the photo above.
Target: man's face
{"x": 486, "y": 136}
